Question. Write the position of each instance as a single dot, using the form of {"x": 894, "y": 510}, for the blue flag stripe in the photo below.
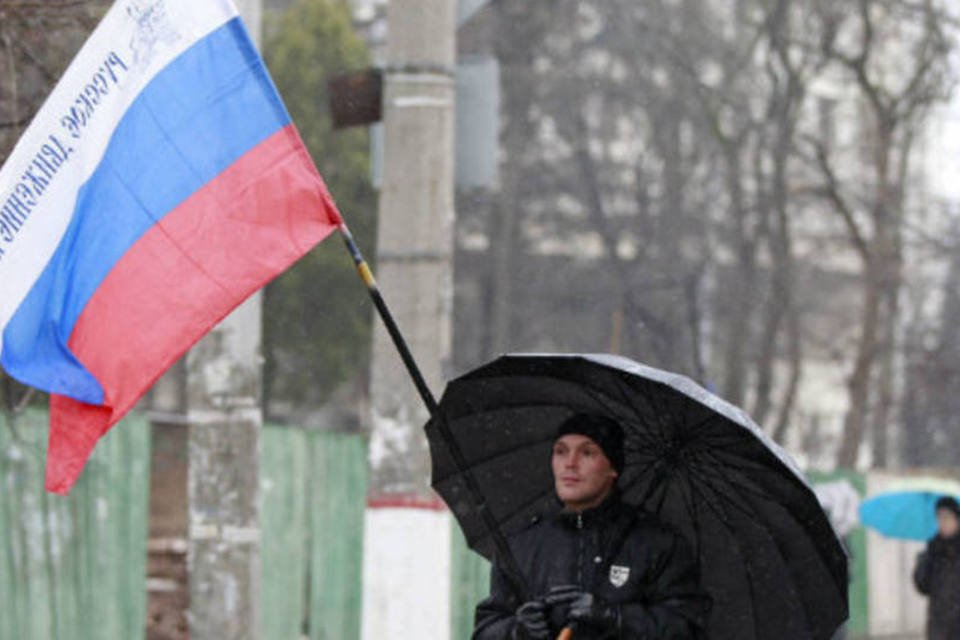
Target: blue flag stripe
{"x": 196, "y": 118}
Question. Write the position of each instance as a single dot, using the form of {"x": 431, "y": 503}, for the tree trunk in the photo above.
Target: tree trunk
{"x": 514, "y": 33}
{"x": 881, "y": 265}
{"x": 692, "y": 290}
{"x": 891, "y": 282}
{"x": 780, "y": 298}
{"x": 740, "y": 288}
{"x": 772, "y": 322}
{"x": 795, "y": 366}
{"x": 859, "y": 381}
{"x": 885, "y": 392}
{"x": 671, "y": 225}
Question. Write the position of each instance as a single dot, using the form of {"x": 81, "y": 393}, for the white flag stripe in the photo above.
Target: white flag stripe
{"x": 131, "y": 45}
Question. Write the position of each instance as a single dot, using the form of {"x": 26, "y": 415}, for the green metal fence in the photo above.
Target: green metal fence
{"x": 314, "y": 493}
{"x": 856, "y": 543}
{"x": 284, "y": 461}
{"x": 469, "y": 584}
{"x": 73, "y": 567}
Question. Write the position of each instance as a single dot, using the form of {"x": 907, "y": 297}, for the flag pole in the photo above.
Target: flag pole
{"x": 363, "y": 269}
{"x": 504, "y": 554}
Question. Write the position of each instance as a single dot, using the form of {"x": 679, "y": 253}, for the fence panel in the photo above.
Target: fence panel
{"x": 338, "y": 492}
{"x": 75, "y": 566}
{"x": 314, "y": 493}
{"x": 469, "y": 582}
{"x": 856, "y": 544}
{"x": 284, "y": 468}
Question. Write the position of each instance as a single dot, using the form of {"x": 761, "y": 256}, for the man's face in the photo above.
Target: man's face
{"x": 947, "y": 523}
{"x": 582, "y": 474}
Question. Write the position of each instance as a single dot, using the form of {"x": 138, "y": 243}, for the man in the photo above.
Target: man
{"x": 937, "y": 574}
{"x": 603, "y": 568}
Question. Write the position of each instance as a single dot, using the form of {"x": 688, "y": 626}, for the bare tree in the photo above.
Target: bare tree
{"x": 749, "y": 68}
{"x": 930, "y": 411}
{"x": 790, "y": 66}
{"x": 670, "y": 148}
{"x": 517, "y": 29}
{"x": 895, "y": 99}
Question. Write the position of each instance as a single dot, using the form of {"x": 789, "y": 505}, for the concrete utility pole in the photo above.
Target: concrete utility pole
{"x": 224, "y": 414}
{"x": 407, "y": 530}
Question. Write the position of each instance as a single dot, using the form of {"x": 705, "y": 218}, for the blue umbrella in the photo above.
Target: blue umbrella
{"x": 907, "y": 514}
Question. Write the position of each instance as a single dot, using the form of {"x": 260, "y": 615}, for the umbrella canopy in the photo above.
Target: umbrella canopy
{"x": 906, "y": 512}
{"x": 768, "y": 555}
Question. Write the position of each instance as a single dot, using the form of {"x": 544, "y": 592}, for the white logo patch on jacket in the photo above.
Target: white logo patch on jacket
{"x": 619, "y": 575}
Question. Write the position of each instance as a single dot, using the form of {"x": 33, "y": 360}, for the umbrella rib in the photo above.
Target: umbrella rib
{"x": 662, "y": 412}
{"x": 635, "y": 481}
{"x": 758, "y": 468}
{"x": 688, "y": 444}
{"x": 476, "y": 464}
{"x": 503, "y": 409}
{"x": 619, "y": 410}
{"x": 721, "y": 515}
{"x": 692, "y": 510}
{"x": 711, "y": 417}
{"x": 505, "y": 405}
{"x": 749, "y": 486}
{"x": 750, "y": 514}
{"x": 630, "y": 400}
{"x": 523, "y": 507}
{"x": 764, "y": 463}
{"x": 746, "y": 488}
{"x": 693, "y": 513}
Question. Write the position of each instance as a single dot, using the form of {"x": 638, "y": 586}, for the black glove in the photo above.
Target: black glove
{"x": 532, "y": 621}
{"x": 563, "y": 594}
{"x": 591, "y": 612}
{"x": 558, "y": 601}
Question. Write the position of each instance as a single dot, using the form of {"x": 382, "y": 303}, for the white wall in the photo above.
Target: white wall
{"x": 896, "y": 610}
{"x": 406, "y": 573}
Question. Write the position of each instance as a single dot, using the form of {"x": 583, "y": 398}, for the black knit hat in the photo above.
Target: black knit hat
{"x": 605, "y": 432}
{"x": 948, "y": 503}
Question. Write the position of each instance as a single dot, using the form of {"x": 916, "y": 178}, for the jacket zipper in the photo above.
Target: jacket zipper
{"x": 580, "y": 545}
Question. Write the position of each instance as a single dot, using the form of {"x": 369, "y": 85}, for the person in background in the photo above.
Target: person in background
{"x": 937, "y": 574}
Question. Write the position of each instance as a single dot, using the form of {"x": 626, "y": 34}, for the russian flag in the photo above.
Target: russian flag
{"x": 160, "y": 185}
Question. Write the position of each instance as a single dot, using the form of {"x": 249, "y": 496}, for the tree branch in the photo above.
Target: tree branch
{"x": 41, "y": 6}
{"x": 49, "y": 76}
{"x": 14, "y": 124}
{"x": 832, "y": 190}
{"x": 588, "y": 172}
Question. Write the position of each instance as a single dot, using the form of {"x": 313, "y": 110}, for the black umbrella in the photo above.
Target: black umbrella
{"x": 768, "y": 555}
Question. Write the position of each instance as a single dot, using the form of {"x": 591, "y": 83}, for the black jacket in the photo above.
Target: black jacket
{"x": 652, "y": 576}
{"x": 937, "y": 575}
